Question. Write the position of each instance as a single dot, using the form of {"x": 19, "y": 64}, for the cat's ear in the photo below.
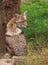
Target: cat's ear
{"x": 25, "y": 13}
{"x": 17, "y": 16}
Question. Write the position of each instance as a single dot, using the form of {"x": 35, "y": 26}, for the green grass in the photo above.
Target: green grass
{"x": 37, "y": 18}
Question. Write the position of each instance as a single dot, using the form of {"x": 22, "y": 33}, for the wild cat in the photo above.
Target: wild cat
{"x": 15, "y": 39}
{"x": 16, "y": 23}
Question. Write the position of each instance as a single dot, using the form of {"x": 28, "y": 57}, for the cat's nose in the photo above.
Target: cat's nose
{"x": 27, "y": 25}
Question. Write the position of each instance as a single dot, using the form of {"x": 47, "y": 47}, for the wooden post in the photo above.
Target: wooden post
{"x": 7, "y": 9}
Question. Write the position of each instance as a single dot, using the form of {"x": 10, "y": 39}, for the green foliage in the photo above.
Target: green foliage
{"x": 37, "y": 19}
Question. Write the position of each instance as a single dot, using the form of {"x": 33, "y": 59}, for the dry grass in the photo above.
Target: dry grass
{"x": 38, "y": 57}
{"x": 35, "y": 58}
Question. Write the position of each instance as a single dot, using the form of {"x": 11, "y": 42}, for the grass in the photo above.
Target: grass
{"x": 37, "y": 57}
{"x": 37, "y": 19}
{"x": 37, "y": 32}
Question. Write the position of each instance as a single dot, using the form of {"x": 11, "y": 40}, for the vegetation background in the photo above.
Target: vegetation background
{"x": 37, "y": 18}
{"x": 37, "y": 31}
